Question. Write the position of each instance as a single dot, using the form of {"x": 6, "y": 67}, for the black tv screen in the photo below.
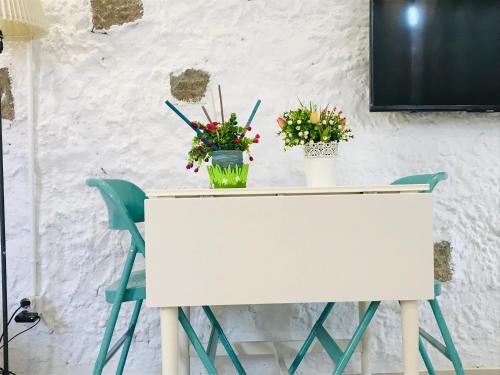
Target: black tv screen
{"x": 435, "y": 55}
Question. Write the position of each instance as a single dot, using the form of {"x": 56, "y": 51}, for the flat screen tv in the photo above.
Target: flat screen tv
{"x": 435, "y": 55}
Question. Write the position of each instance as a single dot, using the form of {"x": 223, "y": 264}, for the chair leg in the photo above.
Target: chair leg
{"x": 106, "y": 340}
{"x": 310, "y": 338}
{"x": 450, "y": 346}
{"x": 197, "y": 345}
{"x": 425, "y": 357}
{"x": 128, "y": 340}
{"x": 113, "y": 317}
{"x": 224, "y": 341}
{"x": 356, "y": 338}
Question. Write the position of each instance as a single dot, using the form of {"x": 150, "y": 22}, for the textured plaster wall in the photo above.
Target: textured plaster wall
{"x": 100, "y": 113}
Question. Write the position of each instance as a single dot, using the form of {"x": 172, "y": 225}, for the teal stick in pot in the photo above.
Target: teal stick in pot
{"x": 255, "y": 108}
{"x": 190, "y": 124}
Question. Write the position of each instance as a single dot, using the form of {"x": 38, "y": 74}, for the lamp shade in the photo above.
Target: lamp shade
{"x": 22, "y": 19}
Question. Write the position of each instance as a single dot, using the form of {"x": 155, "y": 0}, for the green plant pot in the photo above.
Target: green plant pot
{"x": 227, "y": 158}
{"x": 228, "y": 178}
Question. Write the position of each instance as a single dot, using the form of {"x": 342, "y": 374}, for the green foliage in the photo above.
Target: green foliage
{"x": 311, "y": 125}
{"x": 230, "y": 177}
{"x": 223, "y": 136}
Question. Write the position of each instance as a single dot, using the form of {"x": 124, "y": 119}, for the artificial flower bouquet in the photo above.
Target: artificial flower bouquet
{"x": 319, "y": 131}
{"x": 228, "y": 136}
{"x": 307, "y": 125}
{"x": 224, "y": 144}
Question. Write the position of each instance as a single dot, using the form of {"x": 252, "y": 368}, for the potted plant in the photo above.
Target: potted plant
{"x": 224, "y": 144}
{"x": 318, "y": 131}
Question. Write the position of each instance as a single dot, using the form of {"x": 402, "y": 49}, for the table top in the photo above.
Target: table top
{"x": 285, "y": 191}
{"x": 371, "y": 245}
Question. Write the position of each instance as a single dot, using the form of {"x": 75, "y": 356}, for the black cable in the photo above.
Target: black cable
{"x": 10, "y": 372}
{"x": 27, "y": 329}
{"x": 11, "y": 317}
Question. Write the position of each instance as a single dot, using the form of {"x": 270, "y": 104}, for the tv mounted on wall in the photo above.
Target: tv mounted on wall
{"x": 435, "y": 55}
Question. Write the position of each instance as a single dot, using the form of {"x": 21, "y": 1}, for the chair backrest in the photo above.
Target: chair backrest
{"x": 125, "y": 203}
{"x": 431, "y": 179}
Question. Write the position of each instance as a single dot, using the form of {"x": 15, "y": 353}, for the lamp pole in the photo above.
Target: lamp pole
{"x": 3, "y": 246}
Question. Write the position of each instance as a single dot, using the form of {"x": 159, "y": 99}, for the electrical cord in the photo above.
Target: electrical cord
{"x": 27, "y": 329}
{"x": 11, "y": 317}
{"x": 10, "y": 372}
{"x": 13, "y": 337}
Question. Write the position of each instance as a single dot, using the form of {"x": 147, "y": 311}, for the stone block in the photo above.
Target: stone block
{"x": 190, "y": 85}
{"x": 107, "y": 13}
{"x": 8, "y": 112}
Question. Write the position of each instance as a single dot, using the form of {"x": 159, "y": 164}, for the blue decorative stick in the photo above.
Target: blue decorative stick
{"x": 199, "y": 134}
{"x": 255, "y": 108}
{"x": 184, "y": 118}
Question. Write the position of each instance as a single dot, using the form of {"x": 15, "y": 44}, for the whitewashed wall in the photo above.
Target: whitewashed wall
{"x": 100, "y": 114}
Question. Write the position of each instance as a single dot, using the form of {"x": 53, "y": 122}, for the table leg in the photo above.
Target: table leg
{"x": 409, "y": 322}
{"x": 184, "y": 361}
{"x": 169, "y": 319}
{"x": 366, "y": 368}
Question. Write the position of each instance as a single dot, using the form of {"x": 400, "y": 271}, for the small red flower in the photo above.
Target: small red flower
{"x": 236, "y": 140}
{"x": 249, "y": 128}
{"x": 251, "y": 158}
{"x": 257, "y": 136}
{"x": 215, "y": 123}
{"x": 256, "y": 140}
{"x": 196, "y": 170}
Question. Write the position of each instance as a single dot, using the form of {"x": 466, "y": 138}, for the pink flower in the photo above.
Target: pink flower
{"x": 281, "y": 122}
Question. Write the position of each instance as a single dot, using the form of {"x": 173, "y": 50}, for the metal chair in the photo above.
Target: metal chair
{"x": 448, "y": 349}
{"x": 342, "y": 358}
{"x": 125, "y": 204}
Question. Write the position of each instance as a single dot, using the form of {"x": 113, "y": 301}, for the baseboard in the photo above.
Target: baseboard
{"x": 474, "y": 371}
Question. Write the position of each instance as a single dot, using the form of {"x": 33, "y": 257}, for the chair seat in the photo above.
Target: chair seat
{"x": 136, "y": 288}
{"x": 437, "y": 288}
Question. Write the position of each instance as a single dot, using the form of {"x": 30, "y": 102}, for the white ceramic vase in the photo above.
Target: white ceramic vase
{"x": 321, "y": 164}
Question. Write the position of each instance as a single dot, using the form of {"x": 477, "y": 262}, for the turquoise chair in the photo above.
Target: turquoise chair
{"x": 125, "y": 204}
{"x": 341, "y": 358}
{"x": 448, "y": 349}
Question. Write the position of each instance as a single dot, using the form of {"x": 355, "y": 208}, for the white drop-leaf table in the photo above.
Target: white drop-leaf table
{"x": 289, "y": 245}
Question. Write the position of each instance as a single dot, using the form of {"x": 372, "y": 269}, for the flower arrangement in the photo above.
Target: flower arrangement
{"x": 219, "y": 136}
{"x": 222, "y": 142}
{"x": 309, "y": 125}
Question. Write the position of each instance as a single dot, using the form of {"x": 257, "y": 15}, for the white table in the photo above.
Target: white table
{"x": 288, "y": 245}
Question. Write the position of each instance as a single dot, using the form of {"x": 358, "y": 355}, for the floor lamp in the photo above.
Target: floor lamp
{"x": 20, "y": 20}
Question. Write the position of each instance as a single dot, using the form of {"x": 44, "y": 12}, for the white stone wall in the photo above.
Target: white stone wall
{"x": 101, "y": 114}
